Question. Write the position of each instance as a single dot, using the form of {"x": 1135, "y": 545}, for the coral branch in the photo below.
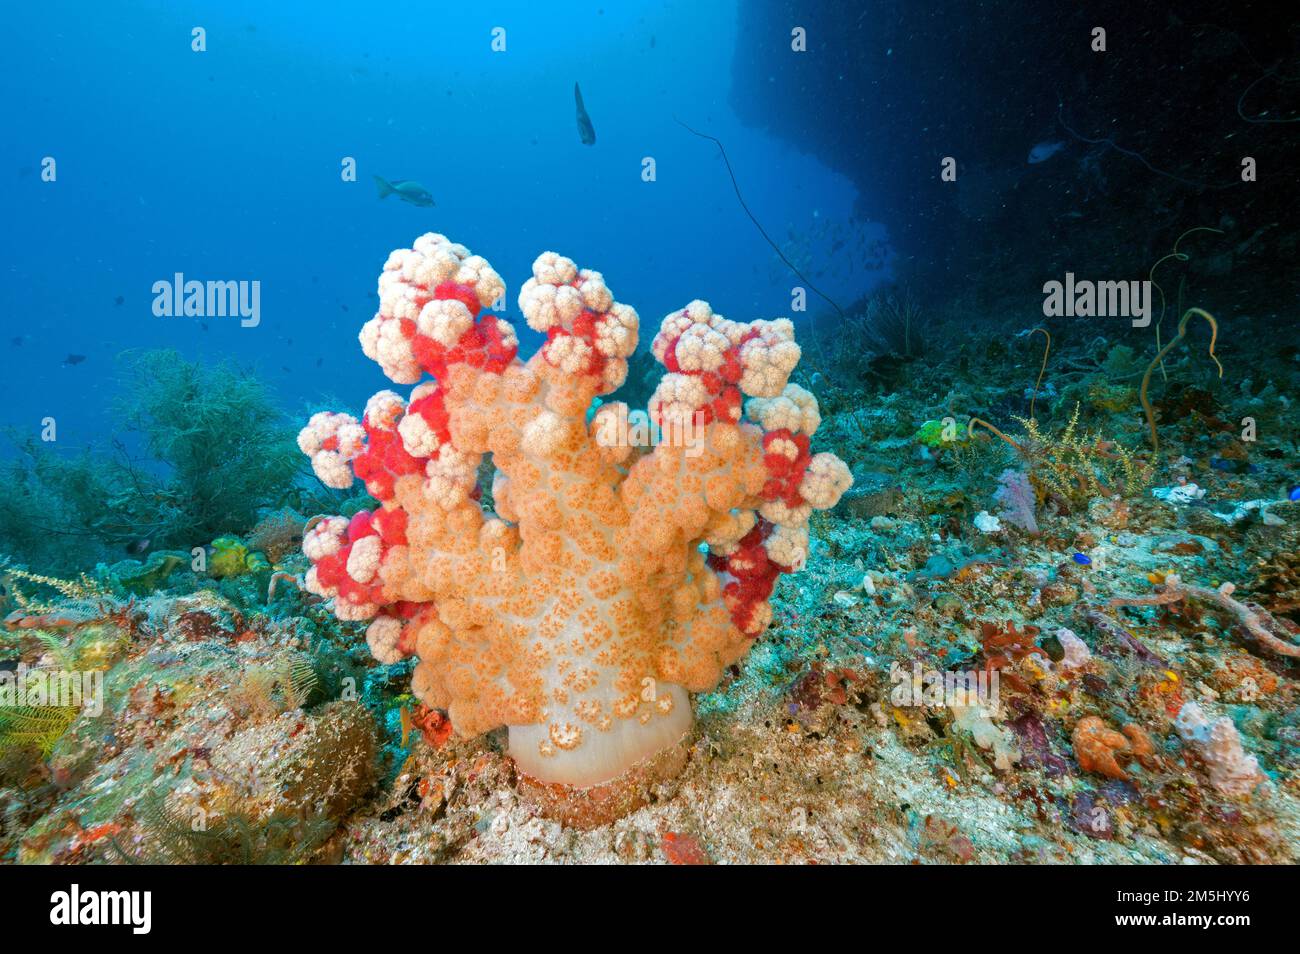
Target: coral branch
{"x": 1255, "y": 620}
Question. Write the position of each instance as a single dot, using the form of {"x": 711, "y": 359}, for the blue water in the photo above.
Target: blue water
{"x": 225, "y": 165}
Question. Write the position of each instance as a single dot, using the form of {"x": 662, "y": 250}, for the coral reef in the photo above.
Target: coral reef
{"x": 611, "y": 577}
{"x": 216, "y": 451}
{"x": 1097, "y": 691}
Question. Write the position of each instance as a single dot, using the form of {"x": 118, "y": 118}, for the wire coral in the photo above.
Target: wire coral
{"x": 1146, "y": 378}
{"x": 1151, "y": 276}
{"x": 583, "y": 608}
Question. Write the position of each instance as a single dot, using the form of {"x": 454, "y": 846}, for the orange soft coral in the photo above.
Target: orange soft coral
{"x": 605, "y": 584}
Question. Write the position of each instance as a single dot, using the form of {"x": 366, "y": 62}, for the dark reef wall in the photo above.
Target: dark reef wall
{"x": 888, "y": 88}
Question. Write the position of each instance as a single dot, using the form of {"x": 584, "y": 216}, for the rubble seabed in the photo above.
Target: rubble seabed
{"x": 1103, "y": 628}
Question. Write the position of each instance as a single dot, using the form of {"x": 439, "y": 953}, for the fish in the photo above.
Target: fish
{"x": 73, "y": 359}
{"x": 405, "y": 189}
{"x": 136, "y": 547}
{"x": 16, "y": 341}
{"x": 586, "y": 131}
{"x": 119, "y": 300}
{"x": 1045, "y": 150}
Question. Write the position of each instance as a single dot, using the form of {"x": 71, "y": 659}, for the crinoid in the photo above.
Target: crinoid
{"x": 169, "y": 835}
{"x": 34, "y": 728}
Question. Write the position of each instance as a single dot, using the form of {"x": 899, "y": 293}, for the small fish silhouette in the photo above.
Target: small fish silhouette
{"x": 1044, "y": 151}
{"x": 586, "y": 131}
{"x": 119, "y": 300}
{"x": 136, "y": 547}
{"x": 73, "y": 359}
{"x": 406, "y": 190}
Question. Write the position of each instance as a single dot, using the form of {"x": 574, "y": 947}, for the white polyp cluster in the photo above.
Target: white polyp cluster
{"x": 788, "y": 545}
{"x": 677, "y": 399}
{"x": 321, "y": 541}
{"x": 556, "y": 297}
{"x": 675, "y": 325}
{"x": 544, "y": 434}
{"x": 364, "y": 557}
{"x": 794, "y": 409}
{"x": 418, "y": 438}
{"x": 699, "y": 338}
{"x": 616, "y": 336}
{"x": 406, "y": 286}
{"x": 701, "y": 348}
{"x": 331, "y": 441}
{"x": 444, "y": 321}
{"x": 451, "y": 476}
{"x": 325, "y": 538}
{"x": 769, "y": 358}
{"x": 384, "y": 410}
{"x": 382, "y": 637}
{"x": 825, "y": 481}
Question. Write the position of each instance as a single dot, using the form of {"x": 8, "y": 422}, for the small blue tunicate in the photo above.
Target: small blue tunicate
{"x": 1294, "y": 494}
{"x": 1082, "y": 559}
